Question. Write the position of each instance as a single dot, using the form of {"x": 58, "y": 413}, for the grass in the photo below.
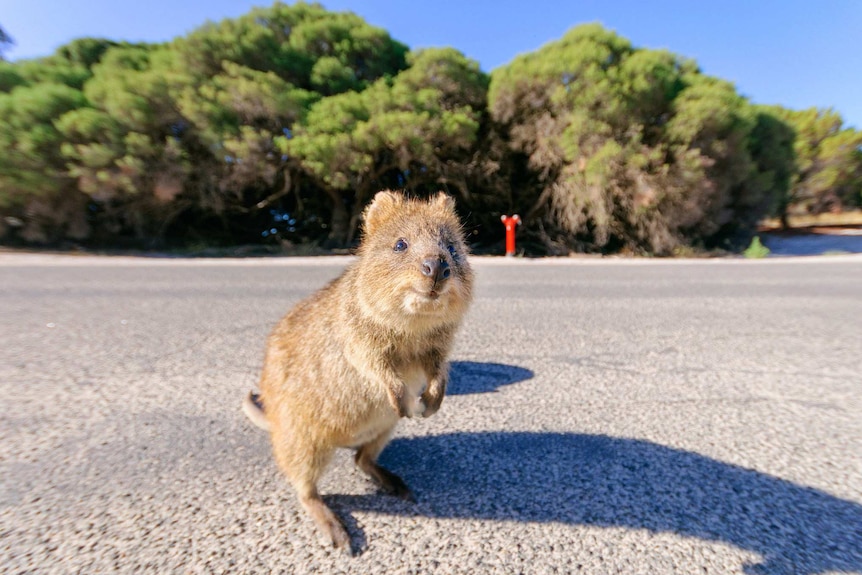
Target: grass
{"x": 756, "y": 250}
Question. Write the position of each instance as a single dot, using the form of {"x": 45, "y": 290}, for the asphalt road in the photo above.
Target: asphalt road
{"x": 603, "y": 417}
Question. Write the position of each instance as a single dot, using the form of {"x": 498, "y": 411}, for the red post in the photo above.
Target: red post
{"x": 510, "y": 222}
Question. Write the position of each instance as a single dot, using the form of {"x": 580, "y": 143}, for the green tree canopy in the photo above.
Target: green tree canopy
{"x": 280, "y": 125}
{"x": 630, "y": 148}
{"x": 304, "y": 44}
{"x": 408, "y": 132}
{"x": 33, "y": 178}
{"x": 828, "y": 170}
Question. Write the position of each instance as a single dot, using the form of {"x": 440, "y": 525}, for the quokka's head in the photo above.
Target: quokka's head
{"x": 413, "y": 263}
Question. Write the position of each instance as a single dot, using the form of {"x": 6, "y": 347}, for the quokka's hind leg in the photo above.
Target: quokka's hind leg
{"x": 366, "y": 460}
{"x": 327, "y": 521}
{"x": 304, "y": 465}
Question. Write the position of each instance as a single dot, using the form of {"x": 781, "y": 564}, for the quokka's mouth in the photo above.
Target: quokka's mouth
{"x": 429, "y": 294}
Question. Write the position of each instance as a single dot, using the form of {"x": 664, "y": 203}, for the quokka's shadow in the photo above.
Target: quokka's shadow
{"x": 611, "y": 482}
{"x": 466, "y": 377}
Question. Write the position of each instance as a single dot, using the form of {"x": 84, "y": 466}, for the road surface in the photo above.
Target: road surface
{"x": 603, "y": 417}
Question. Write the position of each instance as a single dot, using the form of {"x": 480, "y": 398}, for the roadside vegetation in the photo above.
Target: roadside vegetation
{"x": 810, "y": 220}
{"x": 276, "y": 128}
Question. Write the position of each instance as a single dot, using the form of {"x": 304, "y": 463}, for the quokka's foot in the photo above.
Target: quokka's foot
{"x": 387, "y": 481}
{"x": 391, "y": 484}
{"x": 329, "y": 524}
{"x": 339, "y": 538}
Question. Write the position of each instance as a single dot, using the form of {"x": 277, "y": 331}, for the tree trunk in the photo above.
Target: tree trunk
{"x": 339, "y": 226}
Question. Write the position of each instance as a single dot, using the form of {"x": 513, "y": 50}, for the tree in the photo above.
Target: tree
{"x": 34, "y": 185}
{"x": 278, "y": 60}
{"x": 282, "y": 123}
{"x": 416, "y": 132}
{"x": 773, "y": 149}
{"x": 238, "y": 115}
{"x": 191, "y": 145}
{"x": 5, "y": 42}
{"x": 304, "y": 44}
{"x": 626, "y": 148}
{"x": 828, "y": 170}
{"x": 10, "y": 77}
{"x": 71, "y": 64}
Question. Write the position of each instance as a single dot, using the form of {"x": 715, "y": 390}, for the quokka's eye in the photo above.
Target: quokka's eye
{"x": 453, "y": 252}
{"x": 401, "y": 245}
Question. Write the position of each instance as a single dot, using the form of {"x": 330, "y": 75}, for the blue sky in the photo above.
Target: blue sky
{"x": 794, "y": 53}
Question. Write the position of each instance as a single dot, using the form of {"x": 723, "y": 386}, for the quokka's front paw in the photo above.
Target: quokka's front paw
{"x": 432, "y": 404}
{"x": 416, "y": 408}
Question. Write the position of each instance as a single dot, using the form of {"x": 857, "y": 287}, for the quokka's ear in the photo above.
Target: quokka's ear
{"x": 380, "y": 209}
{"x": 444, "y": 201}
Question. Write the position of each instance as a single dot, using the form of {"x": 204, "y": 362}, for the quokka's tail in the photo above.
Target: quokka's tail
{"x": 252, "y": 406}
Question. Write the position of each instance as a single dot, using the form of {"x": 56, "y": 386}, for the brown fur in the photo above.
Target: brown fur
{"x": 345, "y": 364}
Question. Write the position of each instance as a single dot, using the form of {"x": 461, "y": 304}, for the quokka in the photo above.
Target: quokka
{"x": 343, "y": 366}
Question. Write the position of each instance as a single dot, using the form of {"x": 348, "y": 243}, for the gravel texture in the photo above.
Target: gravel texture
{"x": 603, "y": 417}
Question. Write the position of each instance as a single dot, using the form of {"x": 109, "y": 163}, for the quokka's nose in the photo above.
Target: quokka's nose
{"x": 436, "y": 268}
